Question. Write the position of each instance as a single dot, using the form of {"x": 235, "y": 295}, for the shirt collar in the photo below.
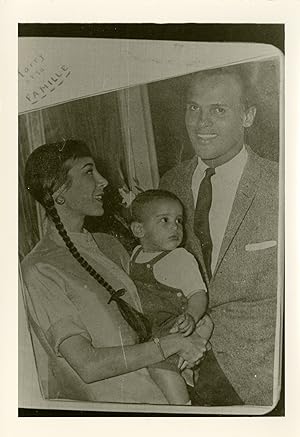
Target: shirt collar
{"x": 231, "y": 168}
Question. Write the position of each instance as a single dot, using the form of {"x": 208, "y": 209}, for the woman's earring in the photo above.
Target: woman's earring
{"x": 60, "y": 200}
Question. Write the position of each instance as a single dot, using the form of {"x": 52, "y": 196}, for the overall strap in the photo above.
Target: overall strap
{"x": 158, "y": 257}
{"x": 136, "y": 253}
{"x": 152, "y": 261}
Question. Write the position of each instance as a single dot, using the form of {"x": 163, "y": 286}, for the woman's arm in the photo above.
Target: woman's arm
{"x": 94, "y": 364}
{"x": 59, "y": 318}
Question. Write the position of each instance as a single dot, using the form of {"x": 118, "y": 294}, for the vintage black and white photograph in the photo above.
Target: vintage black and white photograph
{"x": 150, "y": 223}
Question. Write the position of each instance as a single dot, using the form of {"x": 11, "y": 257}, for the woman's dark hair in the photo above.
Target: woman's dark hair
{"x": 46, "y": 171}
{"x": 144, "y": 199}
{"x": 47, "y": 167}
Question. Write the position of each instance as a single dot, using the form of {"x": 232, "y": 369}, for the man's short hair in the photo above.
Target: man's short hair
{"x": 243, "y": 74}
{"x": 145, "y": 198}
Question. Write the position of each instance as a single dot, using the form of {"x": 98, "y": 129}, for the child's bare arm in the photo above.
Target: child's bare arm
{"x": 197, "y": 305}
{"x": 186, "y": 323}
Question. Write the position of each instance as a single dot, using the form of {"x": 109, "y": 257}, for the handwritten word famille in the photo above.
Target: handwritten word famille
{"x": 44, "y": 83}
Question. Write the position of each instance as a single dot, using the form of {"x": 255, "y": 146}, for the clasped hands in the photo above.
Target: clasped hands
{"x": 195, "y": 345}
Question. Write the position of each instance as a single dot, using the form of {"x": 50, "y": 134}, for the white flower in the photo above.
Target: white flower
{"x": 127, "y": 195}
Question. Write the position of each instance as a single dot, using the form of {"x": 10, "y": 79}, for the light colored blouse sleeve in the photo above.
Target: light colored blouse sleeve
{"x": 53, "y": 311}
{"x": 179, "y": 269}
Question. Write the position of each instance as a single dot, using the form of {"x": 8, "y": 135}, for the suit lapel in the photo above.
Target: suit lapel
{"x": 244, "y": 197}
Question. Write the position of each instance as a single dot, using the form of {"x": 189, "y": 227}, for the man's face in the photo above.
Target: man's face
{"x": 215, "y": 118}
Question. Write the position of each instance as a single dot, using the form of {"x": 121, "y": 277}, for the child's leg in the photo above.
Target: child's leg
{"x": 171, "y": 384}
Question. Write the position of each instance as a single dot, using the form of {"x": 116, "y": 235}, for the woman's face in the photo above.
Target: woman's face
{"x": 84, "y": 196}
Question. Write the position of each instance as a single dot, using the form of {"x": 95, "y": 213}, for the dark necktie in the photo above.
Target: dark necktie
{"x": 201, "y": 219}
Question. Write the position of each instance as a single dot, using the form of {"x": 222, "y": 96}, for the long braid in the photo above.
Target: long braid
{"x": 134, "y": 318}
{"x": 46, "y": 170}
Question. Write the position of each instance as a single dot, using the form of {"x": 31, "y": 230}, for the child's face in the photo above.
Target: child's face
{"x": 162, "y": 226}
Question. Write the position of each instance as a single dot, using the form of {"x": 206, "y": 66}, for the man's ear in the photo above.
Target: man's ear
{"x": 137, "y": 229}
{"x": 249, "y": 116}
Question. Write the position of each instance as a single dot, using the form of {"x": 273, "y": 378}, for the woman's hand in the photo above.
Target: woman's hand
{"x": 192, "y": 349}
{"x": 182, "y": 364}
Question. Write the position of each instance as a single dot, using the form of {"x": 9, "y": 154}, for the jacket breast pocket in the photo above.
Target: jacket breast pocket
{"x": 262, "y": 245}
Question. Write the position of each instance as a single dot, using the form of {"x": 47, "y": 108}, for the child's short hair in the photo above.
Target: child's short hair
{"x": 145, "y": 198}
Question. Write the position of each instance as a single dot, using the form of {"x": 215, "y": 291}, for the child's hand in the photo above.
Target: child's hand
{"x": 205, "y": 327}
{"x": 185, "y": 324}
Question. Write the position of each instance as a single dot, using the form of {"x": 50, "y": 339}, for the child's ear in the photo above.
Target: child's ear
{"x": 137, "y": 229}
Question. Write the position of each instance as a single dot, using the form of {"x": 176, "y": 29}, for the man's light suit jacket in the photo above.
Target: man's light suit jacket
{"x": 243, "y": 289}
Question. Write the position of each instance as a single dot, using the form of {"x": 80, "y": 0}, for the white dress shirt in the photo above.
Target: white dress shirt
{"x": 224, "y": 186}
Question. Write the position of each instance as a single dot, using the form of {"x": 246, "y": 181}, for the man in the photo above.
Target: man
{"x": 230, "y": 196}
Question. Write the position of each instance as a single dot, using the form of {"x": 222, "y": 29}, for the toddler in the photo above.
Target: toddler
{"x": 172, "y": 292}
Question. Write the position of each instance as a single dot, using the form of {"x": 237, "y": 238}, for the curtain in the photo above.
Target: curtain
{"x": 30, "y": 217}
{"x": 140, "y": 151}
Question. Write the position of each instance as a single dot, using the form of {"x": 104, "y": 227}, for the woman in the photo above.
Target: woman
{"x": 81, "y": 304}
